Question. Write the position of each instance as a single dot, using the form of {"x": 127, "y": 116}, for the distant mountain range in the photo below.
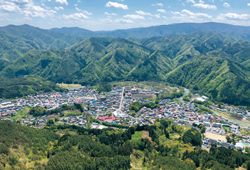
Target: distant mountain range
{"x": 15, "y": 41}
{"x": 216, "y": 64}
{"x": 162, "y": 30}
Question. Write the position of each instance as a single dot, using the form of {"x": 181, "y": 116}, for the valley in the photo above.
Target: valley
{"x": 163, "y": 97}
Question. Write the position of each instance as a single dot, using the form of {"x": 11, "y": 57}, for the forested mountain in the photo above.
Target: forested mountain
{"x": 216, "y": 64}
{"x": 15, "y": 41}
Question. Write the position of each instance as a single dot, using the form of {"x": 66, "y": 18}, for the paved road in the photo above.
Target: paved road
{"x": 120, "y": 107}
{"x": 95, "y": 97}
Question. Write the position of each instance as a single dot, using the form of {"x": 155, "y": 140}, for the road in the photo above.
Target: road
{"x": 95, "y": 97}
{"x": 120, "y": 107}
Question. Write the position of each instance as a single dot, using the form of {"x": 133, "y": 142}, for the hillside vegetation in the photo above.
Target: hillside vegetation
{"x": 215, "y": 64}
{"x": 172, "y": 147}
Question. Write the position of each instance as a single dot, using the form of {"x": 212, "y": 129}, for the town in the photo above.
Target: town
{"x": 117, "y": 108}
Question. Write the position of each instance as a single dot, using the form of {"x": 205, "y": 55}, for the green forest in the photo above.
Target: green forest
{"x": 216, "y": 65}
{"x": 55, "y": 147}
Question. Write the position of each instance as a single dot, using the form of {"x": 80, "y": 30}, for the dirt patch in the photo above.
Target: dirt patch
{"x": 145, "y": 134}
{"x": 240, "y": 168}
{"x": 53, "y": 116}
{"x": 215, "y": 136}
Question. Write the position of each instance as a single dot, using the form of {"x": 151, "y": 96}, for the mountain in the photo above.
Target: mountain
{"x": 214, "y": 63}
{"x": 15, "y": 41}
{"x": 71, "y": 30}
{"x": 240, "y": 32}
{"x": 220, "y": 78}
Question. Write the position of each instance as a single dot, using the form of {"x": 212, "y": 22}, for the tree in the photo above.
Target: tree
{"x": 166, "y": 134}
{"x": 56, "y": 119}
{"x": 248, "y": 165}
{"x": 50, "y": 122}
{"x": 228, "y": 139}
{"x": 233, "y": 135}
{"x": 192, "y": 136}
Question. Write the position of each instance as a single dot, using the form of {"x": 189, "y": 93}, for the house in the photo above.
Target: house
{"x": 107, "y": 119}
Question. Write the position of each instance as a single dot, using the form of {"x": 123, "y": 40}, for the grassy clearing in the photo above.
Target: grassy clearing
{"x": 227, "y": 129}
{"x": 21, "y": 114}
{"x": 137, "y": 135}
{"x": 145, "y": 134}
{"x": 245, "y": 132}
{"x": 68, "y": 86}
{"x": 137, "y": 160}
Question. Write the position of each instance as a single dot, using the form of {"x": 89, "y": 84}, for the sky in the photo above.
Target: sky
{"x": 98, "y": 15}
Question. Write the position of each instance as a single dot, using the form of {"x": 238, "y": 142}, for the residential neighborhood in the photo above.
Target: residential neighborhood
{"x": 114, "y": 108}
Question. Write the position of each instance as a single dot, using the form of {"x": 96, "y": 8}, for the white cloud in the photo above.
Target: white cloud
{"x": 248, "y": 4}
{"x": 158, "y": 4}
{"x": 157, "y": 15}
{"x": 116, "y": 21}
{"x": 26, "y": 8}
{"x": 165, "y": 17}
{"x": 140, "y": 12}
{"x": 75, "y": 16}
{"x": 85, "y": 12}
{"x": 123, "y": 20}
{"x": 226, "y": 5}
{"x": 59, "y": 8}
{"x": 188, "y": 16}
{"x": 10, "y": 7}
{"x": 201, "y": 2}
{"x": 233, "y": 16}
{"x": 134, "y": 16}
{"x": 4, "y": 16}
{"x": 116, "y": 5}
{"x": 192, "y": 1}
{"x": 110, "y": 14}
{"x": 62, "y": 2}
{"x": 161, "y": 10}
{"x": 205, "y": 6}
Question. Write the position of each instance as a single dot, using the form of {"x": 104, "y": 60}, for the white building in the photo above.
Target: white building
{"x": 239, "y": 146}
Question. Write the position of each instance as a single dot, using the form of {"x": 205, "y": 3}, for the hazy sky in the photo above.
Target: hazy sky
{"x": 120, "y": 14}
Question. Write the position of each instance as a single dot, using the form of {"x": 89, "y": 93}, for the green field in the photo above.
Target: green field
{"x": 136, "y": 136}
{"x": 21, "y": 114}
{"x": 68, "y": 86}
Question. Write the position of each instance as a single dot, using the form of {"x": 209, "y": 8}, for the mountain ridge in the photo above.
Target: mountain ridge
{"x": 203, "y": 61}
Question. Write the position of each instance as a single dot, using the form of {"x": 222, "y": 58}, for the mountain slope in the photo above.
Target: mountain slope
{"x": 220, "y": 78}
{"x": 17, "y": 40}
{"x": 153, "y": 68}
{"x": 239, "y": 32}
{"x": 214, "y": 63}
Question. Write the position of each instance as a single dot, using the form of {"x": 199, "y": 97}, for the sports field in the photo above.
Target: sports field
{"x": 215, "y": 136}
